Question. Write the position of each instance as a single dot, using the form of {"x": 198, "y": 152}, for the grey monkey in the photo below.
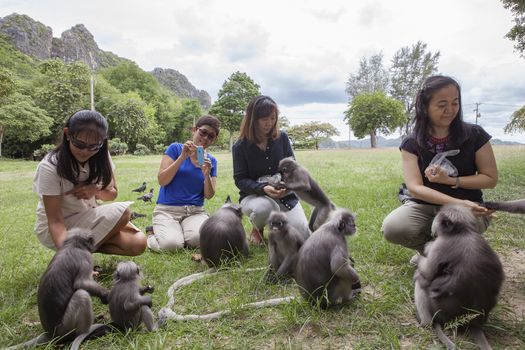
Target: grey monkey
{"x": 64, "y": 292}
{"x": 128, "y": 306}
{"x": 517, "y": 206}
{"x": 296, "y": 178}
{"x": 325, "y": 274}
{"x": 222, "y": 236}
{"x": 459, "y": 274}
{"x": 284, "y": 242}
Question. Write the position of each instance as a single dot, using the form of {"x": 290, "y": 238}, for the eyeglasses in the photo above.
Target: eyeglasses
{"x": 81, "y": 145}
{"x": 205, "y": 133}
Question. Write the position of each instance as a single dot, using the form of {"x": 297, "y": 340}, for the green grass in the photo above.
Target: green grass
{"x": 366, "y": 181}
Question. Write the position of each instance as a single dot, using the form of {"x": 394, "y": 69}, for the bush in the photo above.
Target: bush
{"x": 116, "y": 147}
{"x": 141, "y": 150}
{"x": 42, "y": 151}
{"x": 159, "y": 149}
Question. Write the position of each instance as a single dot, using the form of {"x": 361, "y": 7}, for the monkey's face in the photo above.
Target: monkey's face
{"x": 287, "y": 167}
{"x": 345, "y": 222}
{"x": 277, "y": 221}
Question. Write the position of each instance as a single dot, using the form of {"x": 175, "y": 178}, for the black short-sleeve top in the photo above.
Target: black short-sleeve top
{"x": 464, "y": 161}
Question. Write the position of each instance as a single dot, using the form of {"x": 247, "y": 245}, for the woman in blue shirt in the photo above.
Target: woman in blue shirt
{"x": 179, "y": 212}
{"x": 256, "y": 154}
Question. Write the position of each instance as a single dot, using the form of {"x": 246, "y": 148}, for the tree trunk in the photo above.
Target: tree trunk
{"x": 373, "y": 139}
{"x": 1, "y": 139}
{"x": 231, "y": 141}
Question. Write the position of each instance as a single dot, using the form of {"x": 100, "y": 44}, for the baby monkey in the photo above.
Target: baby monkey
{"x": 128, "y": 306}
{"x": 284, "y": 242}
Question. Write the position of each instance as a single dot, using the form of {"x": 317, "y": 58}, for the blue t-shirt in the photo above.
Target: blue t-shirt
{"x": 187, "y": 186}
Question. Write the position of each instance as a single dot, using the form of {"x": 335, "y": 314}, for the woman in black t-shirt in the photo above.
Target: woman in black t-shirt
{"x": 438, "y": 127}
{"x": 256, "y": 154}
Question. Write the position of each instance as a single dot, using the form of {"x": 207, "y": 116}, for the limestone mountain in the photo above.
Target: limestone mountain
{"x": 181, "y": 86}
{"x": 35, "y": 39}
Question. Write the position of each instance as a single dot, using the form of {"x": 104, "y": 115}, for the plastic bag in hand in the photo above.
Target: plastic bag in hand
{"x": 441, "y": 160}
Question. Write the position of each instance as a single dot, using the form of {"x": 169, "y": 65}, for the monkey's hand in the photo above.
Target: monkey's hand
{"x": 146, "y": 289}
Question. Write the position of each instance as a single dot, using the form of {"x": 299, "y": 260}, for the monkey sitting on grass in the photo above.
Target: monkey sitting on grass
{"x": 459, "y": 276}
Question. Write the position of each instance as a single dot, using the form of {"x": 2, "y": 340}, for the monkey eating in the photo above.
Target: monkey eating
{"x": 325, "y": 274}
{"x": 460, "y": 274}
{"x": 284, "y": 242}
{"x": 296, "y": 178}
{"x": 128, "y": 306}
{"x": 222, "y": 235}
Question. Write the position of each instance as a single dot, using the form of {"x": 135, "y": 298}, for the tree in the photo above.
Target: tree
{"x": 62, "y": 90}
{"x": 22, "y": 120}
{"x": 518, "y": 121}
{"x": 7, "y": 83}
{"x": 517, "y": 33}
{"x": 311, "y": 134}
{"x": 127, "y": 76}
{"x": 371, "y": 77}
{"x": 410, "y": 67}
{"x": 374, "y": 112}
{"x": 234, "y": 96}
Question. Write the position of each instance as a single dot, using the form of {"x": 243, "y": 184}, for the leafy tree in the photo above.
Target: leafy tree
{"x": 410, "y": 67}
{"x": 374, "y": 112}
{"x": 234, "y": 96}
{"x": 127, "y": 76}
{"x": 311, "y": 134}
{"x": 517, "y": 32}
{"x": 191, "y": 111}
{"x": 22, "y": 120}
{"x": 371, "y": 77}
{"x": 62, "y": 90}
{"x": 284, "y": 122}
{"x": 518, "y": 121}
{"x": 7, "y": 83}
{"x": 128, "y": 120}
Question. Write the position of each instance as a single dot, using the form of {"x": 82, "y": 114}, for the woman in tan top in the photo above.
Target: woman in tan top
{"x": 71, "y": 178}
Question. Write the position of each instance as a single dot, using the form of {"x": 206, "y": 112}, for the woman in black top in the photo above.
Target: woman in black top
{"x": 438, "y": 127}
{"x": 256, "y": 154}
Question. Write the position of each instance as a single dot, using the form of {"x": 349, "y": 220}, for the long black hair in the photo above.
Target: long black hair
{"x": 90, "y": 123}
{"x": 422, "y": 128}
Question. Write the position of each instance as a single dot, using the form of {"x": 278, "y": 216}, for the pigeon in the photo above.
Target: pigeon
{"x": 135, "y": 215}
{"x": 147, "y": 197}
{"x": 141, "y": 189}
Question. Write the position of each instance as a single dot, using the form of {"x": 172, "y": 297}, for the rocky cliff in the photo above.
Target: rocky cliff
{"x": 180, "y": 85}
{"x": 77, "y": 44}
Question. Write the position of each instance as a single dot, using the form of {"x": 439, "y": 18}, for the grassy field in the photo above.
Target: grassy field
{"x": 366, "y": 181}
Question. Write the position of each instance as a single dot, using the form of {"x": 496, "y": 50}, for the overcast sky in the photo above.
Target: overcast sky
{"x": 301, "y": 52}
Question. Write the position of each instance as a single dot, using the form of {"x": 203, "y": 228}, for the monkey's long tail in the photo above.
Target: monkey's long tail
{"x": 41, "y": 339}
{"x": 96, "y": 330}
{"x": 167, "y": 313}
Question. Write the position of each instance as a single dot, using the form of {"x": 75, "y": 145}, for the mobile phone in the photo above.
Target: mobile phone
{"x": 200, "y": 155}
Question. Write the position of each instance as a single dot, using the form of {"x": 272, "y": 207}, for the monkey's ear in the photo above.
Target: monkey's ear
{"x": 228, "y": 199}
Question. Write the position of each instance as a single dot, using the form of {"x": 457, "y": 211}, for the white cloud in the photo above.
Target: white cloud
{"x": 301, "y": 52}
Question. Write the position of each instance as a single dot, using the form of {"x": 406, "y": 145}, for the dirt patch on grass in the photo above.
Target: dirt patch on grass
{"x": 513, "y": 292}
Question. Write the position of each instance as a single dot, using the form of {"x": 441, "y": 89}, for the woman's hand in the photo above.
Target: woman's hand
{"x": 272, "y": 192}
{"x": 84, "y": 191}
{"x": 436, "y": 174}
{"x": 188, "y": 149}
{"x": 477, "y": 209}
{"x": 206, "y": 167}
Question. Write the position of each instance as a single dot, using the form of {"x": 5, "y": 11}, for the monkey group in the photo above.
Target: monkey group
{"x": 458, "y": 274}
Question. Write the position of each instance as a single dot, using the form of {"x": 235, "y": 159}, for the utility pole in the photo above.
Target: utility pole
{"x": 478, "y": 115}
{"x": 92, "y": 82}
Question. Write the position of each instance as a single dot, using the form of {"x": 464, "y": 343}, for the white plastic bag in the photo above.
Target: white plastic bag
{"x": 441, "y": 160}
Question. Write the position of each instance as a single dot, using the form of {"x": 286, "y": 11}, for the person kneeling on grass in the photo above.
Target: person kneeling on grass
{"x": 71, "y": 178}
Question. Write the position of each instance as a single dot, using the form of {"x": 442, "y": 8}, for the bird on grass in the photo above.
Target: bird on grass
{"x": 135, "y": 215}
{"x": 147, "y": 197}
{"x": 140, "y": 189}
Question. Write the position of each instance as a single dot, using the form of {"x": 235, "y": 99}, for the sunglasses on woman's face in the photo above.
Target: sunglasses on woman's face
{"x": 82, "y": 145}
{"x": 205, "y": 133}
